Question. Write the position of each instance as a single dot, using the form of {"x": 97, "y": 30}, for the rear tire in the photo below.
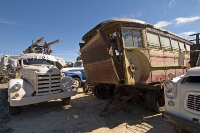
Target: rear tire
{"x": 78, "y": 82}
{"x": 148, "y": 100}
{"x": 66, "y": 101}
{"x": 157, "y": 101}
{"x": 103, "y": 91}
{"x": 14, "y": 110}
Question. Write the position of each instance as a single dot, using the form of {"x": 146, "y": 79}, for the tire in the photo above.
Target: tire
{"x": 78, "y": 82}
{"x": 103, "y": 91}
{"x": 148, "y": 100}
{"x": 97, "y": 92}
{"x": 112, "y": 90}
{"x": 14, "y": 110}
{"x": 155, "y": 102}
{"x": 179, "y": 130}
{"x": 94, "y": 90}
{"x": 66, "y": 101}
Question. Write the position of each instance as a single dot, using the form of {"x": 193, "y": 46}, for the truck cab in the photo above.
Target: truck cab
{"x": 182, "y": 101}
{"x": 182, "y": 97}
{"x": 35, "y": 78}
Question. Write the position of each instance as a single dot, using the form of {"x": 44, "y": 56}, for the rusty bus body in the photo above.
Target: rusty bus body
{"x": 134, "y": 57}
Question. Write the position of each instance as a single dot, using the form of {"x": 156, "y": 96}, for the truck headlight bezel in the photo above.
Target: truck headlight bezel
{"x": 17, "y": 86}
{"x": 170, "y": 85}
{"x": 170, "y": 89}
{"x": 170, "y": 94}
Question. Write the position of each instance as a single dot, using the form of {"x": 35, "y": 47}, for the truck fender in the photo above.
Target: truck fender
{"x": 25, "y": 89}
{"x": 66, "y": 83}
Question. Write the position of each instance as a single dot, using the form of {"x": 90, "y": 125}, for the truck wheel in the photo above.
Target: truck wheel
{"x": 94, "y": 91}
{"x": 14, "y": 110}
{"x": 157, "y": 101}
{"x": 179, "y": 130}
{"x": 112, "y": 90}
{"x": 103, "y": 91}
{"x": 66, "y": 101}
{"x": 148, "y": 100}
{"x": 78, "y": 82}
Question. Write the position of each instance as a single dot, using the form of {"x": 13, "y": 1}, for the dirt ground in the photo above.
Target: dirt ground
{"x": 83, "y": 116}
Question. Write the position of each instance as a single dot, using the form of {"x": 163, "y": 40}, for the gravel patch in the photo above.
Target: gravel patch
{"x": 4, "y": 116}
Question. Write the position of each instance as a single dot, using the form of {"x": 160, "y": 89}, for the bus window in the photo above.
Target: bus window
{"x": 182, "y": 47}
{"x": 187, "y": 48}
{"x": 153, "y": 40}
{"x": 132, "y": 38}
{"x": 165, "y": 43}
{"x": 175, "y": 46}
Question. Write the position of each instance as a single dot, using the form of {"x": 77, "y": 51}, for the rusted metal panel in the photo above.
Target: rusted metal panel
{"x": 98, "y": 64}
{"x": 101, "y": 72}
{"x": 141, "y": 65}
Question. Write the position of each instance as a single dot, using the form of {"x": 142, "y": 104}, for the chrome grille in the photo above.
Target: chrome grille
{"x": 48, "y": 84}
{"x": 193, "y": 102}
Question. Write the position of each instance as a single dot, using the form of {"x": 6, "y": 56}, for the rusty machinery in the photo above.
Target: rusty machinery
{"x": 45, "y": 48}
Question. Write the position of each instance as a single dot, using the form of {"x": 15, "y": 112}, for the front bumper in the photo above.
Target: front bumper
{"x": 38, "y": 99}
{"x": 182, "y": 123}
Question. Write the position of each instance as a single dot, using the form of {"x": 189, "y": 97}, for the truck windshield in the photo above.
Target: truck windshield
{"x": 37, "y": 61}
{"x": 78, "y": 64}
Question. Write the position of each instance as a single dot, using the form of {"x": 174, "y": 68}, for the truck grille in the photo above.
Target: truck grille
{"x": 193, "y": 102}
{"x": 48, "y": 84}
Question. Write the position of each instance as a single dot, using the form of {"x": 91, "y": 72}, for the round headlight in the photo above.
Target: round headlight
{"x": 170, "y": 85}
{"x": 170, "y": 94}
{"x": 17, "y": 86}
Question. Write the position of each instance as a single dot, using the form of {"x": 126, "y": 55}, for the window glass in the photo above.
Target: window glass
{"x": 187, "y": 47}
{"x": 153, "y": 40}
{"x": 78, "y": 64}
{"x": 128, "y": 40}
{"x": 37, "y": 61}
{"x": 182, "y": 47}
{"x": 165, "y": 43}
{"x": 132, "y": 38}
{"x": 175, "y": 45}
{"x": 137, "y": 38}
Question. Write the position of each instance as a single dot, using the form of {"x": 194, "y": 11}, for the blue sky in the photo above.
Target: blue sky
{"x": 22, "y": 21}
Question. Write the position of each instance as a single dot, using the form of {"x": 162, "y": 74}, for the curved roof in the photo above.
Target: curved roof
{"x": 123, "y": 20}
{"x": 109, "y": 22}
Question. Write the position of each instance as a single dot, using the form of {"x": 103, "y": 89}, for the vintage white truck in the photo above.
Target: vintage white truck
{"x": 36, "y": 78}
{"x": 182, "y": 101}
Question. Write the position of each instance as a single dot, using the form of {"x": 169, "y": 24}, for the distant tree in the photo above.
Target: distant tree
{"x": 78, "y": 58}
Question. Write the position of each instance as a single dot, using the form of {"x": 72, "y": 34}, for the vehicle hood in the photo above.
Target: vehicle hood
{"x": 195, "y": 71}
{"x": 71, "y": 68}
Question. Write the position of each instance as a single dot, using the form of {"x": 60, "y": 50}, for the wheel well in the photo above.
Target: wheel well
{"x": 76, "y": 77}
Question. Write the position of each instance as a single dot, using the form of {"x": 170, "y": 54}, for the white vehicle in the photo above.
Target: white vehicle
{"x": 37, "y": 78}
{"x": 182, "y": 101}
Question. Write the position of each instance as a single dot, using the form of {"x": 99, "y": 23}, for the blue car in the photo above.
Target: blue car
{"x": 77, "y": 73}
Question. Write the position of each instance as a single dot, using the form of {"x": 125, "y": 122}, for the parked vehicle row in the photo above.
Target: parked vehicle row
{"x": 122, "y": 59}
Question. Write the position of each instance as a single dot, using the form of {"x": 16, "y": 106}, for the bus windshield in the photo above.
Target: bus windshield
{"x": 132, "y": 38}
